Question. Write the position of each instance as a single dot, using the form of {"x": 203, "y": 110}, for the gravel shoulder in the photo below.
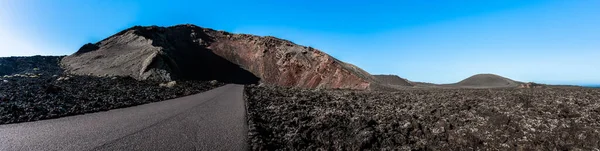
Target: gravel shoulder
{"x": 423, "y": 119}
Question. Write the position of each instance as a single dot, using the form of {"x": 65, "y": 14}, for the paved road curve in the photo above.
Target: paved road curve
{"x": 213, "y": 120}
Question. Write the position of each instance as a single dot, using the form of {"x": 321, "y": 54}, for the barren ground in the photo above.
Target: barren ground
{"x": 32, "y": 88}
{"x": 424, "y": 119}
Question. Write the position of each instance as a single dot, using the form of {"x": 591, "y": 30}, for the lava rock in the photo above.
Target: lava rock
{"x": 214, "y": 82}
{"x": 87, "y": 48}
{"x": 51, "y": 88}
{"x": 47, "y": 65}
{"x": 169, "y": 84}
{"x": 3, "y": 97}
{"x": 423, "y": 119}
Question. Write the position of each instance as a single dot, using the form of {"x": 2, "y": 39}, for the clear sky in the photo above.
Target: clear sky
{"x": 547, "y": 41}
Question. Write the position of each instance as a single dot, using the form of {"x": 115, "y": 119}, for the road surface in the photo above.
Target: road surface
{"x": 212, "y": 120}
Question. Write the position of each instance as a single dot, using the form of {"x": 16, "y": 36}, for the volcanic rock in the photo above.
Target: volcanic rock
{"x": 196, "y": 53}
{"x": 51, "y": 88}
{"x": 62, "y": 78}
{"x": 168, "y": 84}
{"x": 423, "y": 119}
{"x": 531, "y": 85}
{"x": 31, "y": 66}
{"x": 214, "y": 82}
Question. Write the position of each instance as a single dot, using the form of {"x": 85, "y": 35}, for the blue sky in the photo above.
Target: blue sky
{"x": 547, "y": 41}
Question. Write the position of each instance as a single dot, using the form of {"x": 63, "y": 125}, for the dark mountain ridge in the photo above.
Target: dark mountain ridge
{"x": 192, "y": 52}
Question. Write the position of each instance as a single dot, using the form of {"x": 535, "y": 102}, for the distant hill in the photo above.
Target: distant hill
{"x": 591, "y": 86}
{"x": 487, "y": 81}
{"x": 392, "y": 80}
{"x": 426, "y": 84}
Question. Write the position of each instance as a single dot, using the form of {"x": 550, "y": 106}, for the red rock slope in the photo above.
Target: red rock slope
{"x": 192, "y": 52}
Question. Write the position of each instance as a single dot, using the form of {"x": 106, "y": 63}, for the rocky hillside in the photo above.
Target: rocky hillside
{"x": 487, "y": 81}
{"x": 196, "y": 53}
{"x": 392, "y": 80}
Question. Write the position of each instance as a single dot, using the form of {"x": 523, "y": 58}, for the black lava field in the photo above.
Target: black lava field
{"x": 424, "y": 119}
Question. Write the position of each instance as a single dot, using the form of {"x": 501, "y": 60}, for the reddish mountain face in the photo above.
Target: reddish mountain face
{"x": 284, "y": 63}
{"x": 192, "y": 52}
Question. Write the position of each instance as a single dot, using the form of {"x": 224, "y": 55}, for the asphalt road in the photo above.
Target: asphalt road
{"x": 213, "y": 120}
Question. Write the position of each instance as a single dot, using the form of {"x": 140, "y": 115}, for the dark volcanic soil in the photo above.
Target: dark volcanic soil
{"x": 34, "y": 64}
{"x": 433, "y": 119}
{"x": 28, "y": 94}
